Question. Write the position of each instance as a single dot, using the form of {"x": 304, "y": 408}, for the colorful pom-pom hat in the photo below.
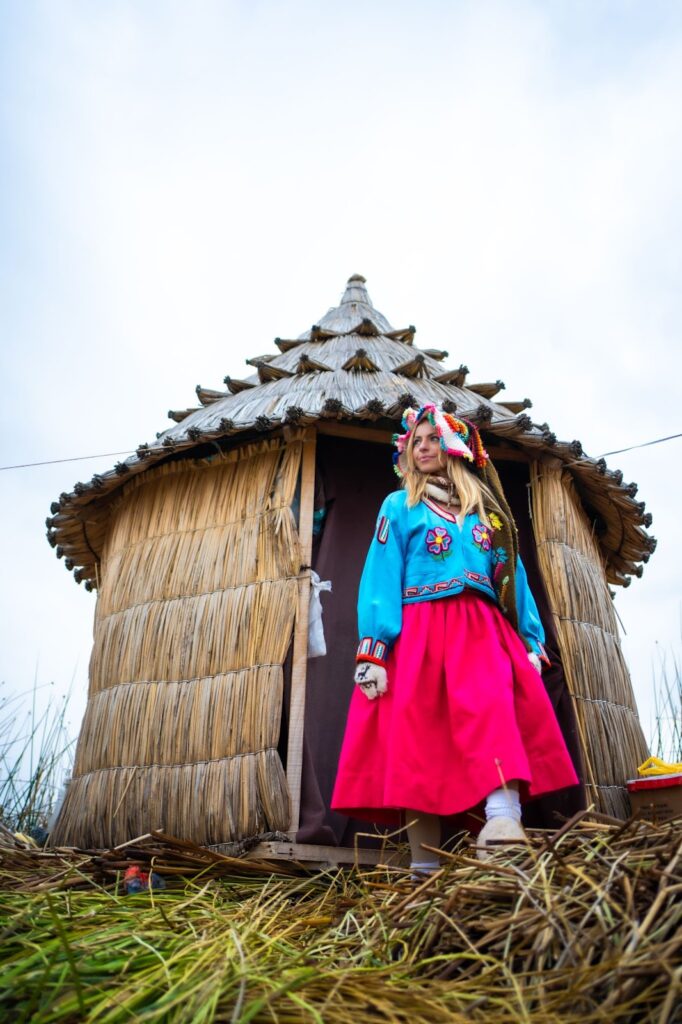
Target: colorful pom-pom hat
{"x": 457, "y": 437}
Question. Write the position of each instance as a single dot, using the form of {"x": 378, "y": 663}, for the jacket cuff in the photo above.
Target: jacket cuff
{"x": 537, "y": 648}
{"x": 372, "y": 650}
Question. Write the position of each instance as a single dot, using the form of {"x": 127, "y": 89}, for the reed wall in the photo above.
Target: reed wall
{"x": 612, "y": 739}
{"x": 198, "y": 592}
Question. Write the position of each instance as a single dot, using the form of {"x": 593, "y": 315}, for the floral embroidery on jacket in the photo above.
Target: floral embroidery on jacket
{"x": 482, "y": 536}
{"x": 500, "y": 556}
{"x": 495, "y": 521}
{"x": 438, "y": 541}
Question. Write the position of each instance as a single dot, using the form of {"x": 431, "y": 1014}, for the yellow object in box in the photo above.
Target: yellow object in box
{"x": 655, "y": 766}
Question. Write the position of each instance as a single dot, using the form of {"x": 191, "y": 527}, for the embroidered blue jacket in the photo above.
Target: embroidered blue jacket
{"x": 421, "y": 554}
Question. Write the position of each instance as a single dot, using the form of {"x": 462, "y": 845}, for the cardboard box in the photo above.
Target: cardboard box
{"x": 656, "y": 797}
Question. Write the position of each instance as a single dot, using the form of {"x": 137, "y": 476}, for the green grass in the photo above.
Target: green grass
{"x": 36, "y": 753}
{"x": 666, "y": 733}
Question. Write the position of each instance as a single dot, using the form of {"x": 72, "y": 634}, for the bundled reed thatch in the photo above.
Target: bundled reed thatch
{"x": 578, "y": 928}
{"x": 612, "y": 739}
{"x": 193, "y": 622}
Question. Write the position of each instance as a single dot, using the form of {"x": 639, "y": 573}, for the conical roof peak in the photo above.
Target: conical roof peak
{"x": 356, "y": 291}
{"x": 355, "y": 306}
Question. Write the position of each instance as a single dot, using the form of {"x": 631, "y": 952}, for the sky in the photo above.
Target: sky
{"x": 181, "y": 183}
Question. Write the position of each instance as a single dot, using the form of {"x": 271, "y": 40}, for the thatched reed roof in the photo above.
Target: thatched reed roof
{"x": 352, "y": 366}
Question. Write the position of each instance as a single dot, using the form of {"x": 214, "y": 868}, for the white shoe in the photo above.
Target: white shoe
{"x": 498, "y": 830}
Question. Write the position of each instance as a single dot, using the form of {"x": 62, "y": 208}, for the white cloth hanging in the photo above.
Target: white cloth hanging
{"x": 316, "y": 642}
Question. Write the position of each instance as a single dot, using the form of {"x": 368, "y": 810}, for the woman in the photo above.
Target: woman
{"x": 451, "y": 645}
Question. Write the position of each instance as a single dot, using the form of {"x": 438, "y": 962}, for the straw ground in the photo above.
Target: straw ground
{"x": 582, "y": 927}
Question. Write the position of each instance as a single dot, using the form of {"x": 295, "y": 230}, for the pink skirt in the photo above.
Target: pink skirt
{"x": 465, "y": 711}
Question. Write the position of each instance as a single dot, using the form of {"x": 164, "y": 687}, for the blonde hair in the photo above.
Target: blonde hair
{"x": 472, "y": 492}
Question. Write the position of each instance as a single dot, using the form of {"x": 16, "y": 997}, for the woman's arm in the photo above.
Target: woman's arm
{"x": 381, "y": 587}
{"x": 530, "y": 626}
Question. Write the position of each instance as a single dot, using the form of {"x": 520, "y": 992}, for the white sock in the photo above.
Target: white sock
{"x": 503, "y": 803}
{"x": 421, "y": 868}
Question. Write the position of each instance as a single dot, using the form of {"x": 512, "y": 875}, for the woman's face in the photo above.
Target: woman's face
{"x": 426, "y": 450}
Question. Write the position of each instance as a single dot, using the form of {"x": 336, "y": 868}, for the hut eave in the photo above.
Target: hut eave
{"x": 235, "y": 385}
{"x": 487, "y": 390}
{"x": 207, "y": 396}
{"x": 285, "y": 345}
{"x": 178, "y": 415}
{"x": 515, "y": 407}
{"x": 454, "y": 377}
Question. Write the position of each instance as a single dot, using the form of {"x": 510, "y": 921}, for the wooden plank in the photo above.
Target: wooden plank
{"x": 353, "y": 433}
{"x": 324, "y": 856}
{"x": 300, "y": 651}
{"x": 499, "y": 454}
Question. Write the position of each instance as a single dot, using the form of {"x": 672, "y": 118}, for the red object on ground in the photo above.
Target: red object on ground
{"x": 136, "y": 872}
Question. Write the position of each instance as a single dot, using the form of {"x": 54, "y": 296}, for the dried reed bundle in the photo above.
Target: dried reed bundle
{"x": 230, "y": 797}
{"x": 595, "y": 669}
{"x": 191, "y": 637}
{"x": 193, "y": 623}
{"x": 181, "y": 564}
{"x": 207, "y": 718}
{"x": 192, "y": 496}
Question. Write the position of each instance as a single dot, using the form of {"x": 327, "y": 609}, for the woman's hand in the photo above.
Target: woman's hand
{"x": 535, "y": 662}
{"x": 371, "y": 679}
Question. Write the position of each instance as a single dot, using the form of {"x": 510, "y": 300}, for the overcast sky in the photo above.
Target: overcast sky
{"x": 180, "y": 183}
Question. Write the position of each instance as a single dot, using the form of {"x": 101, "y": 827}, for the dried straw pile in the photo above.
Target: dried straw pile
{"x": 193, "y": 622}
{"x": 596, "y": 672}
{"x": 582, "y": 927}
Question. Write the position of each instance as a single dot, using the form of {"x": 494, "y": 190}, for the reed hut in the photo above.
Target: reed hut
{"x": 205, "y": 717}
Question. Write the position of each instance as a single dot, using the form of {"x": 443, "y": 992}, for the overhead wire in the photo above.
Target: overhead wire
{"x": 75, "y": 458}
{"x": 644, "y": 444}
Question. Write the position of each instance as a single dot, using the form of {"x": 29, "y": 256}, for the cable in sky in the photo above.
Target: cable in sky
{"x": 644, "y": 444}
{"x": 76, "y": 458}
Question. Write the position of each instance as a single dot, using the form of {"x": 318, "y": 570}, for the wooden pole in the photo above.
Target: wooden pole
{"x": 300, "y": 652}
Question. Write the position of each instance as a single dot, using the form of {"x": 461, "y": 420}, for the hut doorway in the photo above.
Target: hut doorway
{"x": 352, "y": 479}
